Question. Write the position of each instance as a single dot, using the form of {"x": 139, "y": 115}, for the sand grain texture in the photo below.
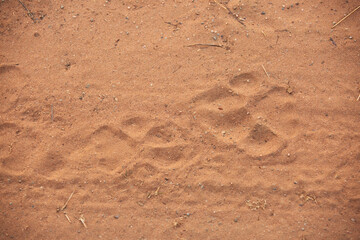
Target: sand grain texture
{"x": 159, "y": 140}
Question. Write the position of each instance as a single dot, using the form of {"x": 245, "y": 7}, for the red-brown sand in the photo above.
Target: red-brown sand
{"x": 161, "y": 118}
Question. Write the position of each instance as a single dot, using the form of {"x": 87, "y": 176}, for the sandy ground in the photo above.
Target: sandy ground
{"x": 161, "y": 118}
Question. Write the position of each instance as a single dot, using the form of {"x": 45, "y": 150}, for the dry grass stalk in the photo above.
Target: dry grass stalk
{"x": 65, "y": 205}
{"x": 358, "y": 7}
{"x": 82, "y": 220}
{"x": 265, "y": 71}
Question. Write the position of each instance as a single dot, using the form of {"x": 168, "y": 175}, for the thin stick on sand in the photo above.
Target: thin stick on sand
{"x": 67, "y": 201}
{"x": 205, "y": 45}
{"x": 265, "y": 71}
{"x": 52, "y": 113}
{"x": 229, "y": 12}
{"x": 29, "y": 13}
{"x": 346, "y": 16}
{"x": 67, "y": 217}
{"x": 82, "y": 220}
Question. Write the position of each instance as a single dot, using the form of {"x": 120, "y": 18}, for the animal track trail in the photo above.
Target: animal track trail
{"x": 228, "y": 114}
{"x": 136, "y": 126}
{"x": 213, "y": 94}
{"x": 167, "y": 145}
{"x": 262, "y": 141}
{"x": 107, "y": 148}
{"x": 279, "y": 109}
{"x": 248, "y": 84}
{"x": 166, "y": 133}
{"x": 11, "y": 82}
{"x": 269, "y": 133}
{"x": 222, "y": 113}
{"x": 16, "y": 145}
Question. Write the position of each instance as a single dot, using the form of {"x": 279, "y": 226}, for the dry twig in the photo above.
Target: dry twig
{"x": 65, "y": 205}
{"x": 52, "y": 113}
{"x": 82, "y": 220}
{"x": 154, "y": 193}
{"x": 346, "y": 16}
{"x": 265, "y": 71}
{"x": 29, "y": 13}
{"x": 203, "y": 45}
{"x": 229, "y": 12}
{"x": 67, "y": 217}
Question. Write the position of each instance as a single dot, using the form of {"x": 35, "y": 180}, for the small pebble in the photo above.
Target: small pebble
{"x": 263, "y": 13}
{"x": 236, "y": 220}
{"x": 62, "y": 7}
{"x": 116, "y": 216}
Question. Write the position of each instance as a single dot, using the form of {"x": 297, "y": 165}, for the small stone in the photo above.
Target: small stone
{"x": 263, "y": 13}
{"x": 289, "y": 90}
{"x": 215, "y": 38}
{"x": 92, "y": 20}
{"x": 302, "y": 229}
{"x": 353, "y": 219}
{"x": 36, "y": 34}
{"x": 116, "y": 216}
{"x": 62, "y": 7}
{"x": 19, "y": 181}
{"x": 236, "y": 219}
{"x": 295, "y": 182}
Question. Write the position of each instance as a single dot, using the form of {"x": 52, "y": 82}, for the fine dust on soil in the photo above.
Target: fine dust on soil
{"x": 162, "y": 136}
